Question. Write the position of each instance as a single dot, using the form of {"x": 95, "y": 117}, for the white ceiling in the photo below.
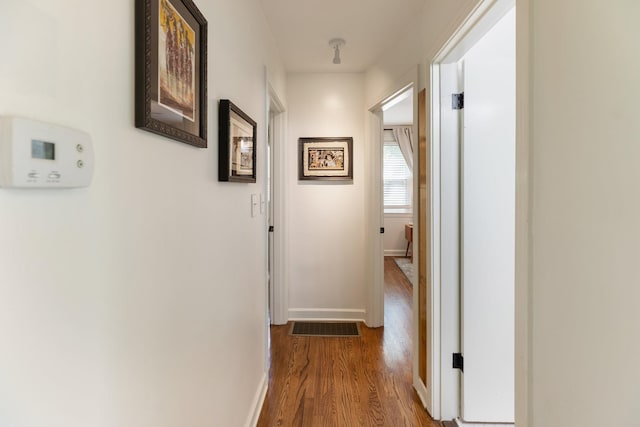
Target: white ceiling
{"x": 303, "y": 28}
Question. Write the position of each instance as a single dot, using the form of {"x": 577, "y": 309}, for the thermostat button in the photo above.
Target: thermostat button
{"x": 54, "y": 175}
{"x": 33, "y": 175}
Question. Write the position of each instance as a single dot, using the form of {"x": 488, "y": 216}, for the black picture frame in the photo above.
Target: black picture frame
{"x": 171, "y": 70}
{"x": 237, "y": 136}
{"x": 325, "y": 159}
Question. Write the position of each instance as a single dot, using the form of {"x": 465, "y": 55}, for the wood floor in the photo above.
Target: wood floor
{"x": 344, "y": 382}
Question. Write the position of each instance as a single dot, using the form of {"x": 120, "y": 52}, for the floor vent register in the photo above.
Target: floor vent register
{"x": 325, "y": 329}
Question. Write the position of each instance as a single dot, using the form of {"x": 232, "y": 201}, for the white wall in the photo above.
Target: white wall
{"x": 395, "y": 243}
{"x": 139, "y": 301}
{"x": 326, "y": 219}
{"x": 585, "y": 209}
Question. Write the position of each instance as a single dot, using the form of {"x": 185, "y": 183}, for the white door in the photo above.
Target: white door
{"x": 488, "y": 226}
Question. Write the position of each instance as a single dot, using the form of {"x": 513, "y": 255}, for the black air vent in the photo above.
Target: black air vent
{"x": 326, "y": 329}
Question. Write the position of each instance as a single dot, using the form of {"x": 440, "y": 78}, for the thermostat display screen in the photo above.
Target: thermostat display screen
{"x": 43, "y": 150}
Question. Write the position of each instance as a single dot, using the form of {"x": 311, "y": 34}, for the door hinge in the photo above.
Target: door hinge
{"x": 458, "y": 361}
{"x": 271, "y": 229}
{"x": 457, "y": 101}
{"x": 381, "y": 230}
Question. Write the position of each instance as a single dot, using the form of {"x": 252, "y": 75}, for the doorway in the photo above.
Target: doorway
{"x": 398, "y": 142}
{"x": 375, "y": 220}
{"x": 473, "y": 125}
{"x": 398, "y": 146}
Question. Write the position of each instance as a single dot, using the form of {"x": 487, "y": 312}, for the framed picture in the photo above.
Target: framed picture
{"x": 325, "y": 159}
{"x": 171, "y": 70}
{"x": 237, "y": 144}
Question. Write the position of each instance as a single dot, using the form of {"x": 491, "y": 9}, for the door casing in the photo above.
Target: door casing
{"x": 278, "y": 289}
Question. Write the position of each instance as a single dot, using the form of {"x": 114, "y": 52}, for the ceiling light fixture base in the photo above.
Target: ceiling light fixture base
{"x": 336, "y": 44}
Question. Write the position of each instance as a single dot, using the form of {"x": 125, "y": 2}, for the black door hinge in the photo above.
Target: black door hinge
{"x": 457, "y": 101}
{"x": 271, "y": 229}
{"x": 381, "y": 230}
{"x": 458, "y": 361}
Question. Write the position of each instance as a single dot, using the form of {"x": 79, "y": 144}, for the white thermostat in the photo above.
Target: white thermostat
{"x": 35, "y": 154}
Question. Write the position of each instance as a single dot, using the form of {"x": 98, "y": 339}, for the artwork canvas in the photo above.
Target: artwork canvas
{"x": 176, "y": 55}
{"x": 321, "y": 159}
{"x": 241, "y": 159}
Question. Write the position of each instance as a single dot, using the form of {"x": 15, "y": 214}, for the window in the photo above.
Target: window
{"x": 398, "y": 183}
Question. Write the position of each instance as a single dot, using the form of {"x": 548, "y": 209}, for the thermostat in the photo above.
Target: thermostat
{"x": 36, "y": 154}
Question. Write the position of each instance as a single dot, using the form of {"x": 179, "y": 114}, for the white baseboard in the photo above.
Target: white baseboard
{"x": 395, "y": 252}
{"x": 422, "y": 393}
{"x": 327, "y": 314}
{"x": 461, "y": 423}
{"x": 258, "y": 400}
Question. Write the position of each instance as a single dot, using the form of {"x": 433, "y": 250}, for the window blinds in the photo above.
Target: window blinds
{"x": 397, "y": 184}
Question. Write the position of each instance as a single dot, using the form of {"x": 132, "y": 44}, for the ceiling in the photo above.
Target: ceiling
{"x": 303, "y": 28}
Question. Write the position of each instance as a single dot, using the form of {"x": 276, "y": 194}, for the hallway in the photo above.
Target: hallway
{"x": 365, "y": 381}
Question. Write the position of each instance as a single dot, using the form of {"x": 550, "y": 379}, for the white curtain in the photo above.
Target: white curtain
{"x": 404, "y": 136}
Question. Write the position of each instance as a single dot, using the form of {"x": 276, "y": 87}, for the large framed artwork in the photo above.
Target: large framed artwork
{"x": 325, "y": 159}
{"x": 171, "y": 70}
{"x": 237, "y": 144}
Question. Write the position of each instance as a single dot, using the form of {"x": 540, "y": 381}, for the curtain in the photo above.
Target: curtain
{"x": 404, "y": 136}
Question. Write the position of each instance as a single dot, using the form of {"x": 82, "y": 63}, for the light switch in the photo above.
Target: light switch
{"x": 263, "y": 203}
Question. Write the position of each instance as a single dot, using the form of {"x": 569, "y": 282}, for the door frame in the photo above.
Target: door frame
{"x": 443, "y": 307}
{"x": 375, "y": 221}
{"x": 278, "y": 291}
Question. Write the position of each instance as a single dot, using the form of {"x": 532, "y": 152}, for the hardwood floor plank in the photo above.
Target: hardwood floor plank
{"x": 348, "y": 381}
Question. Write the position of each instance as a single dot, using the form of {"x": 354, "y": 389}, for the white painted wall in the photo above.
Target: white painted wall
{"x": 395, "y": 243}
{"x": 139, "y": 301}
{"x": 488, "y": 226}
{"x": 326, "y": 267}
{"x": 585, "y": 208}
